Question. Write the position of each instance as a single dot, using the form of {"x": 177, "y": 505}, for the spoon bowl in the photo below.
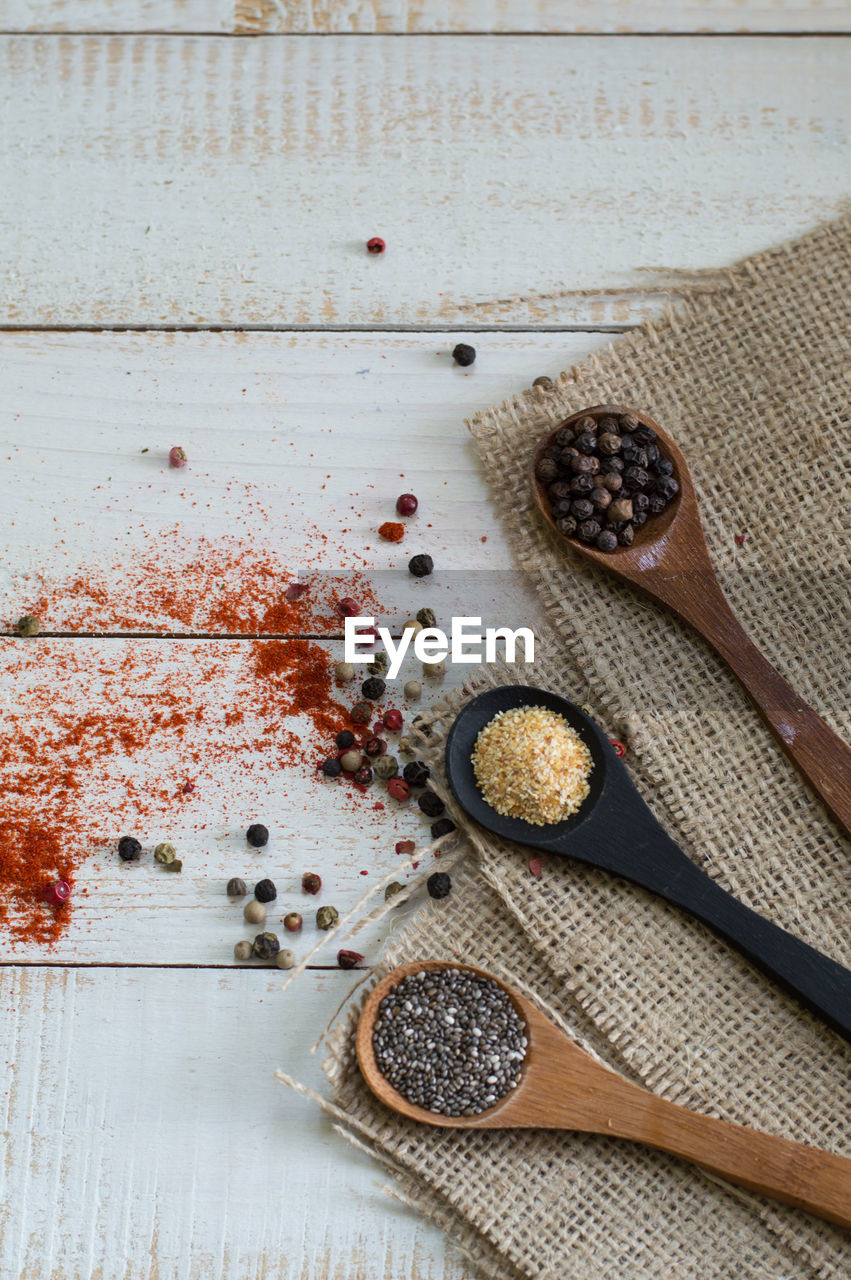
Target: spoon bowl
{"x": 615, "y": 831}
{"x": 563, "y": 1087}
{"x": 669, "y": 561}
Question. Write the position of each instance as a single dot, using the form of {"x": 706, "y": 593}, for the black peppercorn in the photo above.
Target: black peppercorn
{"x": 431, "y": 804}
{"x": 612, "y": 481}
{"x": 637, "y": 477}
{"x": 564, "y": 437}
{"x": 580, "y": 463}
{"x": 266, "y": 946}
{"x": 657, "y": 504}
{"x": 666, "y": 487}
{"x": 561, "y": 509}
{"x": 609, "y": 425}
{"x": 439, "y": 885}
{"x": 265, "y": 891}
{"x": 663, "y": 467}
{"x": 635, "y": 456}
{"x": 639, "y": 519}
{"x": 129, "y": 850}
{"x": 332, "y": 768}
{"x": 586, "y": 443}
{"x": 257, "y": 835}
{"x": 441, "y": 828}
{"x": 567, "y": 526}
{"x": 373, "y": 688}
{"x": 600, "y": 499}
{"x": 561, "y": 489}
{"x": 416, "y": 774}
{"x": 546, "y": 470}
{"x": 610, "y": 466}
{"x": 582, "y": 508}
{"x": 582, "y": 484}
{"x": 345, "y": 739}
{"x": 464, "y": 354}
{"x": 643, "y": 434}
{"x": 236, "y": 887}
{"x": 629, "y": 422}
{"x": 653, "y": 455}
{"x": 626, "y": 537}
{"x": 374, "y": 746}
{"x": 587, "y": 423}
{"x": 609, "y": 443}
{"x": 421, "y": 566}
{"x": 606, "y": 540}
{"x": 361, "y": 713}
{"x": 640, "y": 502}
{"x": 588, "y": 530}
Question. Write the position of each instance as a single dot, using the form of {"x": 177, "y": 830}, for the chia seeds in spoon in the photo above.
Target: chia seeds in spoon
{"x": 449, "y": 1041}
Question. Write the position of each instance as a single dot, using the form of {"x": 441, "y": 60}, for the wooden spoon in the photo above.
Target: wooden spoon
{"x": 669, "y": 562}
{"x": 563, "y": 1087}
{"x": 614, "y": 830}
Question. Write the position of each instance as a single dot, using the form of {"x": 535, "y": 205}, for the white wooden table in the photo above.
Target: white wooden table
{"x": 186, "y": 190}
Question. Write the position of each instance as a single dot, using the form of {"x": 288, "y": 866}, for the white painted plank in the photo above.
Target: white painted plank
{"x": 299, "y": 445}
{"x": 145, "y": 1135}
{"x": 529, "y": 180}
{"x": 390, "y": 17}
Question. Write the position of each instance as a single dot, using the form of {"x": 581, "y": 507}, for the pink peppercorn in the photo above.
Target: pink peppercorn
{"x": 398, "y": 789}
{"x": 620, "y": 749}
{"x": 55, "y": 894}
{"x": 375, "y": 245}
{"x": 293, "y": 922}
{"x": 393, "y": 720}
{"x": 405, "y": 846}
{"x": 295, "y": 591}
{"x": 348, "y": 959}
{"x": 348, "y": 607}
{"x": 311, "y": 882}
{"x": 406, "y": 504}
{"x": 177, "y": 457}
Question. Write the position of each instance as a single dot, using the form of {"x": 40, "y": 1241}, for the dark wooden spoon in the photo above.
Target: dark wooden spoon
{"x": 563, "y": 1087}
{"x": 669, "y": 562}
{"x": 615, "y": 830}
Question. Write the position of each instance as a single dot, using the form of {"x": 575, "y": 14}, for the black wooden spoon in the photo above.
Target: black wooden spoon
{"x": 615, "y": 830}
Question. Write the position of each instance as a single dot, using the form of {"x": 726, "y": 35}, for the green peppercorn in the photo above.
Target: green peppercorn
{"x": 427, "y": 617}
{"x": 236, "y": 888}
{"x": 174, "y": 865}
{"x": 385, "y": 767}
{"x": 285, "y": 959}
{"x": 380, "y": 662}
{"x": 327, "y": 917}
{"x": 243, "y": 950}
{"x": 266, "y": 946}
{"x": 165, "y": 852}
{"x": 28, "y": 625}
{"x": 392, "y": 889}
{"x": 413, "y": 690}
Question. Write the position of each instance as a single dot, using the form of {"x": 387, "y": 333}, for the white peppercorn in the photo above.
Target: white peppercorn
{"x": 243, "y": 951}
{"x": 285, "y": 959}
{"x": 254, "y": 912}
{"x": 413, "y": 690}
{"x": 344, "y": 672}
{"x": 434, "y": 670}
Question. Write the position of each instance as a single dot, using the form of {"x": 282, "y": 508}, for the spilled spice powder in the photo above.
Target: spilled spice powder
{"x": 392, "y": 532}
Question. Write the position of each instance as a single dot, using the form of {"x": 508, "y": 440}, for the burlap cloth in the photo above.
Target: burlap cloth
{"x": 752, "y": 381}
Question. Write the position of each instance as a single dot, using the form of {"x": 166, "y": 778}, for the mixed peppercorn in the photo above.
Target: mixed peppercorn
{"x": 605, "y": 476}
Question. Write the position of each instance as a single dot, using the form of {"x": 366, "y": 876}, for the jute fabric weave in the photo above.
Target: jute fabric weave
{"x": 752, "y": 380}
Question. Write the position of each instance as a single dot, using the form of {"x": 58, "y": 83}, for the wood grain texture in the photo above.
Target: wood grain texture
{"x": 145, "y": 1136}
{"x": 390, "y": 17}
{"x": 298, "y": 447}
{"x": 517, "y": 181}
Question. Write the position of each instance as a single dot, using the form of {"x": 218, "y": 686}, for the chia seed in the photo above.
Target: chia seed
{"x": 449, "y": 1041}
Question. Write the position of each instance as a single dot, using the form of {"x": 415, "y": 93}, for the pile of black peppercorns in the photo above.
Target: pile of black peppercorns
{"x": 604, "y": 476}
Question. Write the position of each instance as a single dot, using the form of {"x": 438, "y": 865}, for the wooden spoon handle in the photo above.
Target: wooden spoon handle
{"x": 816, "y": 1181}
{"x": 820, "y": 754}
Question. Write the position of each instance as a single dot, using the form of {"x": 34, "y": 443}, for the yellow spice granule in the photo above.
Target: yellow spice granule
{"x": 529, "y": 763}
